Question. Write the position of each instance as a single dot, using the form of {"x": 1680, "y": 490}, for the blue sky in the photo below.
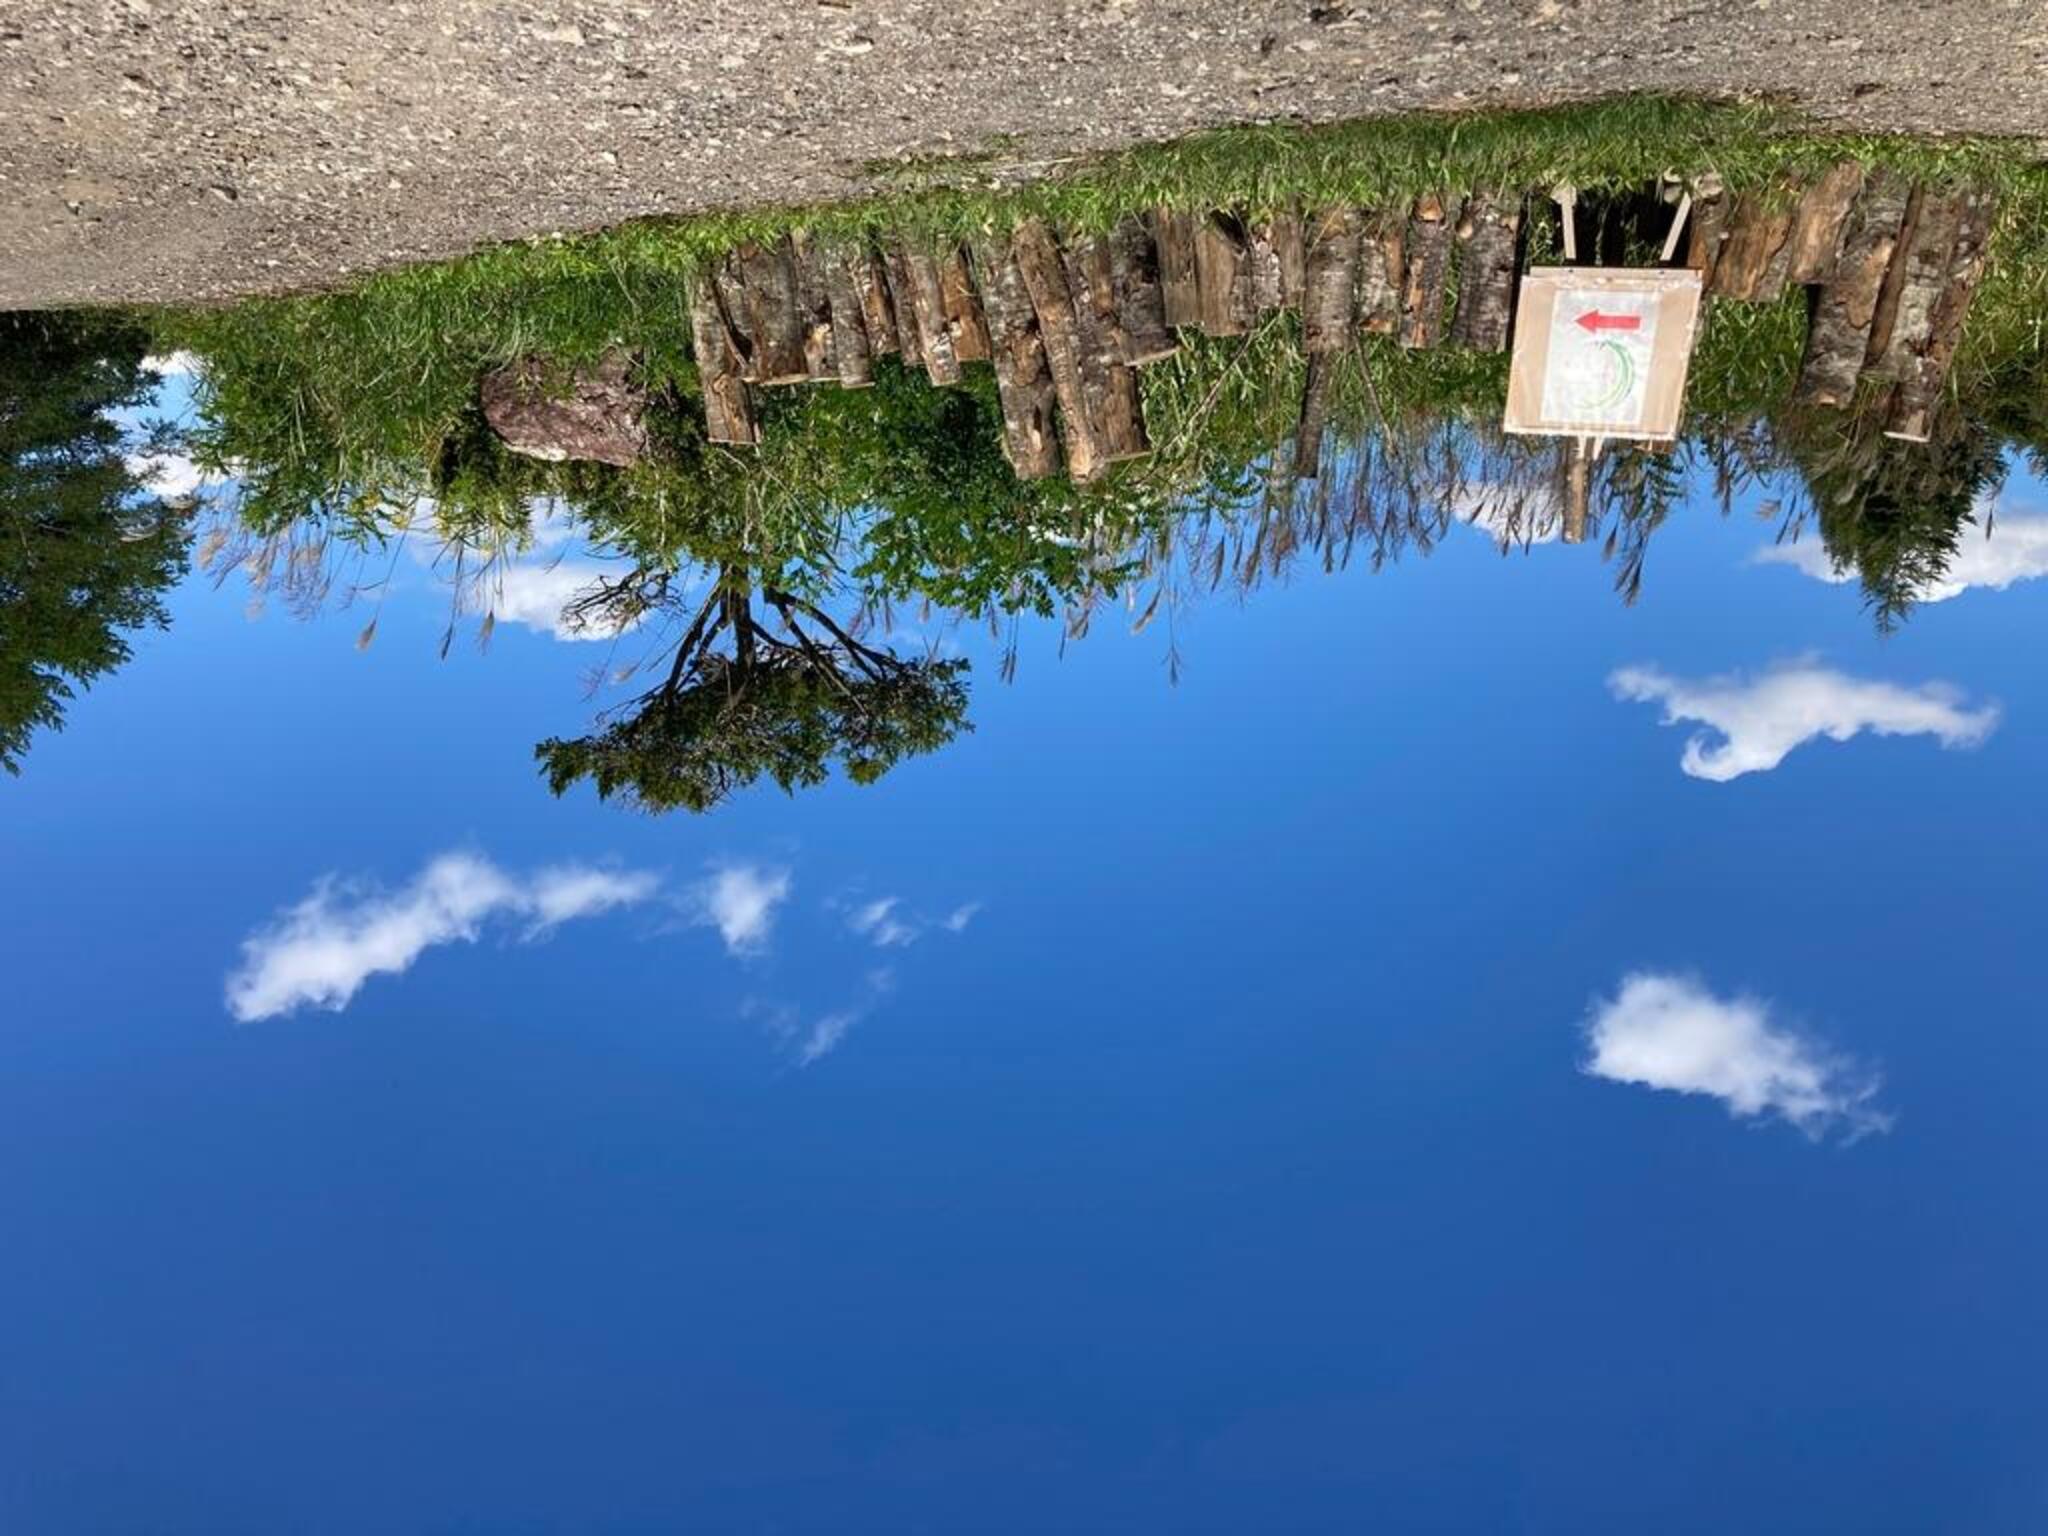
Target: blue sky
{"x": 1203, "y": 1140}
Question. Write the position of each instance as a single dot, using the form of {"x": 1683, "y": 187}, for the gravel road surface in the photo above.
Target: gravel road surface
{"x": 178, "y": 149}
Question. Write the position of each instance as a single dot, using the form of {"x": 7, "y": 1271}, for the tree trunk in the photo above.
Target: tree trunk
{"x": 1488, "y": 230}
{"x": 1315, "y": 412}
{"x": 964, "y": 320}
{"x": 774, "y": 312}
{"x": 1045, "y": 278}
{"x": 1222, "y": 277}
{"x": 1923, "y": 368}
{"x": 1429, "y": 258}
{"x": 1140, "y": 301}
{"x": 1817, "y": 226}
{"x": 1173, "y": 235}
{"x": 1840, "y": 331}
{"x": 1330, "y": 281}
{"x": 728, "y": 406}
{"x": 1382, "y": 269}
{"x": 1023, "y": 381}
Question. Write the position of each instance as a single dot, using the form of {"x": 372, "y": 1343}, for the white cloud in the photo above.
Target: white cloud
{"x": 740, "y": 900}
{"x": 172, "y": 476}
{"x": 1508, "y": 517}
{"x": 878, "y": 923}
{"x": 321, "y": 951}
{"x": 1763, "y": 718}
{"x": 2011, "y": 549}
{"x": 958, "y": 919}
{"x": 1670, "y": 1032}
{"x": 173, "y": 364}
{"x": 824, "y": 1036}
{"x": 536, "y": 593}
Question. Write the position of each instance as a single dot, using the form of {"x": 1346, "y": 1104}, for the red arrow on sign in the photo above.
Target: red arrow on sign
{"x": 1594, "y": 320}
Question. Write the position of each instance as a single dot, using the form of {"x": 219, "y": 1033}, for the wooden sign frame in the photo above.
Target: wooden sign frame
{"x": 1664, "y": 301}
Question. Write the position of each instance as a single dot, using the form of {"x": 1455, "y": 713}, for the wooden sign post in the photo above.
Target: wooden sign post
{"x": 1602, "y": 352}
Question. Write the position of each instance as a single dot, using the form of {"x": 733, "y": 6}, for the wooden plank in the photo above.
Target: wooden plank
{"x": 903, "y": 303}
{"x": 1382, "y": 268}
{"x": 1139, "y": 295}
{"x": 774, "y": 312}
{"x": 1817, "y": 225}
{"x": 1488, "y": 230}
{"x": 1173, "y": 237}
{"x": 1315, "y": 415}
{"x": 846, "y": 270}
{"x": 1222, "y": 277}
{"x": 1330, "y": 281}
{"x": 1840, "y": 330}
{"x": 728, "y": 405}
{"x": 964, "y": 320}
{"x": 1753, "y": 257}
{"x": 1043, "y": 269}
{"x": 1023, "y": 380}
{"x": 1923, "y": 369}
{"x": 1429, "y": 261}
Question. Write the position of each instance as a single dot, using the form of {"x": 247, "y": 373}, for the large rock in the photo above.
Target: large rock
{"x": 593, "y": 414}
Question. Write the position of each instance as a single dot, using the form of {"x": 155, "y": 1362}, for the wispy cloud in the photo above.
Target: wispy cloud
{"x": 825, "y": 1036}
{"x": 740, "y": 901}
{"x": 887, "y": 924}
{"x": 809, "y": 1039}
{"x": 2010, "y": 549}
{"x": 321, "y": 951}
{"x": 172, "y": 476}
{"x": 1761, "y": 719}
{"x": 538, "y": 593}
{"x": 1670, "y": 1032}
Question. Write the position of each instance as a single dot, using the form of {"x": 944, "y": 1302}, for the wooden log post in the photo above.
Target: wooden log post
{"x": 1330, "y": 281}
{"x": 1290, "y": 244}
{"x": 774, "y": 312}
{"x": 1043, "y": 270}
{"x": 1139, "y": 294}
{"x": 870, "y": 276}
{"x": 1173, "y": 237}
{"x": 926, "y": 311}
{"x": 964, "y": 321}
{"x": 845, "y": 275}
{"x": 728, "y": 405}
{"x": 1488, "y": 230}
{"x": 1709, "y": 221}
{"x": 731, "y": 288}
{"x": 1109, "y": 387}
{"x": 1262, "y": 256}
{"x": 1885, "y": 316}
{"x": 1754, "y": 256}
{"x": 1817, "y": 225}
{"x": 1382, "y": 270}
{"x": 1924, "y": 364}
{"x": 814, "y": 298}
{"x": 1429, "y": 261}
{"x": 1839, "y": 334}
{"x": 903, "y": 303}
{"x": 1222, "y": 277}
{"x": 1023, "y": 381}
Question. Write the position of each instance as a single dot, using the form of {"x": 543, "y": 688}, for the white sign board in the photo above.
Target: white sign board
{"x": 1602, "y": 352}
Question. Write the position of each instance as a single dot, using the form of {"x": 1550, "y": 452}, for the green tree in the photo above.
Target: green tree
{"x": 85, "y": 555}
{"x": 781, "y": 695}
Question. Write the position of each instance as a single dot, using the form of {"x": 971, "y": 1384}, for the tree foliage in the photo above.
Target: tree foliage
{"x": 747, "y": 697}
{"x": 85, "y": 555}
